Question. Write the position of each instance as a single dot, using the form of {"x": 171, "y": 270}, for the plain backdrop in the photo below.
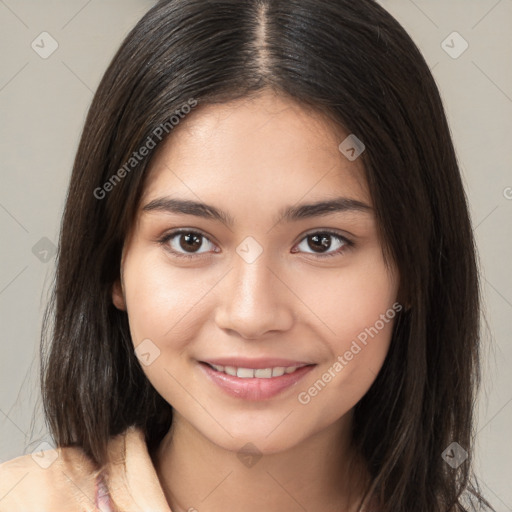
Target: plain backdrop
{"x": 43, "y": 103}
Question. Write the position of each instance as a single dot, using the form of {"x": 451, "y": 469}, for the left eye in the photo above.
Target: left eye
{"x": 189, "y": 243}
{"x": 321, "y": 242}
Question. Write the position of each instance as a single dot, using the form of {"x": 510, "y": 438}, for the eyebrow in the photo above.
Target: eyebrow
{"x": 286, "y": 214}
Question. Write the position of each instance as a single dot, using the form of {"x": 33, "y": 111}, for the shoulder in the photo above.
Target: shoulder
{"x": 48, "y": 481}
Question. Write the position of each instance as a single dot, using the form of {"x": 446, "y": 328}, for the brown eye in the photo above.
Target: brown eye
{"x": 190, "y": 241}
{"x": 187, "y": 243}
{"x": 321, "y": 242}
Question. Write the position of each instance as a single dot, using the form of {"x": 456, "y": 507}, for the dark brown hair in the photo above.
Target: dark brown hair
{"x": 352, "y": 61}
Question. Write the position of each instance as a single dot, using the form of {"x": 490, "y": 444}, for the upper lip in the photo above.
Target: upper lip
{"x": 264, "y": 362}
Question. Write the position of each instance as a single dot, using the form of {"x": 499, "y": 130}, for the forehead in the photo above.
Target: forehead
{"x": 259, "y": 151}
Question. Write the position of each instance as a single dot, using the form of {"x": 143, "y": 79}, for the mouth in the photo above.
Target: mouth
{"x": 255, "y": 384}
{"x": 258, "y": 373}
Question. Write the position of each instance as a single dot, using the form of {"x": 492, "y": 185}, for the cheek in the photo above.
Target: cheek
{"x": 164, "y": 306}
{"x": 354, "y": 363}
{"x": 357, "y": 308}
{"x": 347, "y": 301}
{"x": 163, "y": 303}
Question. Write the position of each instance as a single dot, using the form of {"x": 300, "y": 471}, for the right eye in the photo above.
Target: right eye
{"x": 185, "y": 243}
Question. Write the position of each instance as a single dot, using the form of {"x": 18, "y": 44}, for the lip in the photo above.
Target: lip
{"x": 254, "y": 389}
{"x": 255, "y": 363}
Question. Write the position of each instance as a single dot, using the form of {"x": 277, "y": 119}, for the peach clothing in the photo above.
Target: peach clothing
{"x": 70, "y": 482}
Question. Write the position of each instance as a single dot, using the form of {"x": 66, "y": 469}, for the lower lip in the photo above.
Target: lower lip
{"x": 254, "y": 388}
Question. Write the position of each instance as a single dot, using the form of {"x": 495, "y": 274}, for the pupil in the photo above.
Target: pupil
{"x": 324, "y": 242}
{"x": 191, "y": 241}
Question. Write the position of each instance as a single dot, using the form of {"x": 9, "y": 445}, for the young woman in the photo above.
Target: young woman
{"x": 266, "y": 294}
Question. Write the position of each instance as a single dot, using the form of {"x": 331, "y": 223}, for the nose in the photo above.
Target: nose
{"x": 254, "y": 301}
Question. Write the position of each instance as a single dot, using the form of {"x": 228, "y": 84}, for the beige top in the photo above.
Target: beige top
{"x": 66, "y": 480}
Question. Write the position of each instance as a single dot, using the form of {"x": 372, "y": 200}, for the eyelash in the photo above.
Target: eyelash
{"x": 165, "y": 239}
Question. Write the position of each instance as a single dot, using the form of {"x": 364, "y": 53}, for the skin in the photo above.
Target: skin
{"x": 251, "y": 158}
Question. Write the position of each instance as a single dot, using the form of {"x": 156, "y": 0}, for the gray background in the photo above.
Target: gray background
{"x": 43, "y": 105}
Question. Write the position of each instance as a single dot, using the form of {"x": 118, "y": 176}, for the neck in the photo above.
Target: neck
{"x": 322, "y": 473}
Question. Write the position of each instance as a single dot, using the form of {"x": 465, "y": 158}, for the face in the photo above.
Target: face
{"x": 230, "y": 269}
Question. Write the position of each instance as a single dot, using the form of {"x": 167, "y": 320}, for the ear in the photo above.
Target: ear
{"x": 118, "y": 295}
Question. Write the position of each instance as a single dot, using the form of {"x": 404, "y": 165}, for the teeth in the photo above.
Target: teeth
{"x": 279, "y": 370}
{"x": 230, "y": 370}
{"x": 245, "y": 373}
{"x": 260, "y": 373}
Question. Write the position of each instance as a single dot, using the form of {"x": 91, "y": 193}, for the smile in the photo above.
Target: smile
{"x": 254, "y": 384}
{"x": 259, "y": 373}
